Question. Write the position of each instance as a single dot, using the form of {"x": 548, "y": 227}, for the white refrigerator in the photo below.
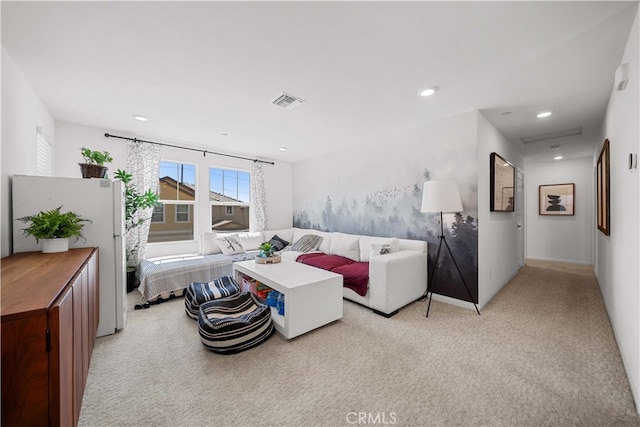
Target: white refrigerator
{"x": 101, "y": 201}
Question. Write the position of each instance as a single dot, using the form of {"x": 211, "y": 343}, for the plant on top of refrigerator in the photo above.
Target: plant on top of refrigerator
{"x": 94, "y": 157}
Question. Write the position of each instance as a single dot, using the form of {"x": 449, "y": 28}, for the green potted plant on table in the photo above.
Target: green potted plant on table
{"x": 134, "y": 202}
{"x": 266, "y": 250}
{"x": 267, "y": 254}
{"x": 94, "y": 163}
{"x": 54, "y": 228}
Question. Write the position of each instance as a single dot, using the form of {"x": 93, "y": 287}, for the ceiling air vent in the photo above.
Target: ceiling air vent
{"x": 287, "y": 101}
{"x": 552, "y": 135}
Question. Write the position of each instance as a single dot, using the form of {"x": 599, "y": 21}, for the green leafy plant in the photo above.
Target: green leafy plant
{"x": 54, "y": 224}
{"x": 267, "y": 249}
{"x": 133, "y": 203}
{"x": 96, "y": 157}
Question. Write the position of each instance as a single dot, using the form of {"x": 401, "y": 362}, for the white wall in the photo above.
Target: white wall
{"x": 560, "y": 238}
{"x": 497, "y": 238}
{"x": 278, "y": 180}
{"x": 279, "y": 189}
{"x": 391, "y": 174}
{"x": 72, "y": 137}
{"x": 22, "y": 113}
{"x": 459, "y": 146}
{"x": 617, "y": 255}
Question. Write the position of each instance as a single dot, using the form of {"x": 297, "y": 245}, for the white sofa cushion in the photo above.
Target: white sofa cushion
{"x": 209, "y": 245}
{"x": 367, "y": 241}
{"x": 289, "y": 255}
{"x": 345, "y": 245}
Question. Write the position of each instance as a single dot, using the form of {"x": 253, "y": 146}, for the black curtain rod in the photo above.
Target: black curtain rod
{"x": 204, "y": 152}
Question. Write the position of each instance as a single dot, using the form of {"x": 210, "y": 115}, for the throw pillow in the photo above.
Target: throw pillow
{"x": 278, "y": 243}
{"x": 378, "y": 249}
{"x": 367, "y": 241}
{"x": 209, "y": 244}
{"x": 325, "y": 242}
{"x": 307, "y": 243}
{"x": 230, "y": 245}
{"x": 251, "y": 241}
{"x": 345, "y": 245}
{"x": 285, "y": 234}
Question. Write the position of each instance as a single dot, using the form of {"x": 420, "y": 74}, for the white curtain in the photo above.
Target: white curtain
{"x": 258, "y": 197}
{"x": 143, "y": 162}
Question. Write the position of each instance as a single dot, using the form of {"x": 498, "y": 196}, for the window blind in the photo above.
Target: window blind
{"x": 43, "y": 155}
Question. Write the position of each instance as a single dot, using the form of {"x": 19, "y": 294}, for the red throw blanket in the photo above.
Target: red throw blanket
{"x": 355, "y": 274}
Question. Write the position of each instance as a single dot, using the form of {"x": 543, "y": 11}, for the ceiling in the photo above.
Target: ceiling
{"x": 199, "y": 70}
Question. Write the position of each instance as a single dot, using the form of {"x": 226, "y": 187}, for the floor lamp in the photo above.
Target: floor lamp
{"x": 442, "y": 196}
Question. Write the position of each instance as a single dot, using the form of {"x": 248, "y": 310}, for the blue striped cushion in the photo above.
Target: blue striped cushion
{"x": 234, "y": 324}
{"x": 199, "y": 293}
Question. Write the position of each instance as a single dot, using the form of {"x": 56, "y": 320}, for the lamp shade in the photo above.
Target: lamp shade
{"x": 441, "y": 196}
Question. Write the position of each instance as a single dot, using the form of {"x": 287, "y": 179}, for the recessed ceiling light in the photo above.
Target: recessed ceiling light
{"x": 555, "y": 147}
{"x": 557, "y": 158}
{"x": 224, "y": 134}
{"x": 428, "y": 91}
{"x": 139, "y": 118}
{"x": 282, "y": 148}
{"x": 543, "y": 114}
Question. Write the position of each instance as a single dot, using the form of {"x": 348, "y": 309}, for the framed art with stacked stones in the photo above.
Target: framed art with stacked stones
{"x": 556, "y": 199}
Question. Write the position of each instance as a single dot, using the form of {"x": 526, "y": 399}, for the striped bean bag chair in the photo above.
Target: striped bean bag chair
{"x": 199, "y": 293}
{"x": 234, "y": 324}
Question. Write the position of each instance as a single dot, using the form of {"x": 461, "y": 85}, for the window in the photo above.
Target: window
{"x": 43, "y": 154}
{"x": 177, "y": 188}
{"x": 177, "y": 181}
{"x": 183, "y": 213}
{"x": 229, "y": 199}
{"x": 158, "y": 214}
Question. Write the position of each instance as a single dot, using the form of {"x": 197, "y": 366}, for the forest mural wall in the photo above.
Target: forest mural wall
{"x": 377, "y": 191}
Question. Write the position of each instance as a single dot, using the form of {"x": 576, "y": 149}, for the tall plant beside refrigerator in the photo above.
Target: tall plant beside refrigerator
{"x": 134, "y": 202}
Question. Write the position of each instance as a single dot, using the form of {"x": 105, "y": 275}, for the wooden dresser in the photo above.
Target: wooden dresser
{"x": 49, "y": 322}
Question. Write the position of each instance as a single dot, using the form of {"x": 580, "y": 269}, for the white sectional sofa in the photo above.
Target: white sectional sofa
{"x": 395, "y": 279}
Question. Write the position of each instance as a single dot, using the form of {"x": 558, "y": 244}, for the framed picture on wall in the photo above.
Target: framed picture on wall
{"x": 602, "y": 189}
{"x": 556, "y": 199}
{"x": 502, "y": 184}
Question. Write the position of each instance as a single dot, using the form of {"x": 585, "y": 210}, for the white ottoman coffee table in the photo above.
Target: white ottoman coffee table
{"x": 313, "y": 297}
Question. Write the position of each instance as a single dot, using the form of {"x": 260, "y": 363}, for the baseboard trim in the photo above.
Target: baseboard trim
{"x": 456, "y": 302}
{"x": 567, "y": 261}
{"x": 387, "y": 315}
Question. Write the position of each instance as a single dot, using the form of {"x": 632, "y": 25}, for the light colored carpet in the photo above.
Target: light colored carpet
{"x": 541, "y": 354}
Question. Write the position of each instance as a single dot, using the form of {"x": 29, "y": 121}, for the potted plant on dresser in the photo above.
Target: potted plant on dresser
{"x": 54, "y": 228}
{"x": 134, "y": 201}
{"x": 94, "y": 163}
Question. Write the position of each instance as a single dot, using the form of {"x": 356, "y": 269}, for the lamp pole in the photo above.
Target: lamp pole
{"x": 435, "y": 267}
